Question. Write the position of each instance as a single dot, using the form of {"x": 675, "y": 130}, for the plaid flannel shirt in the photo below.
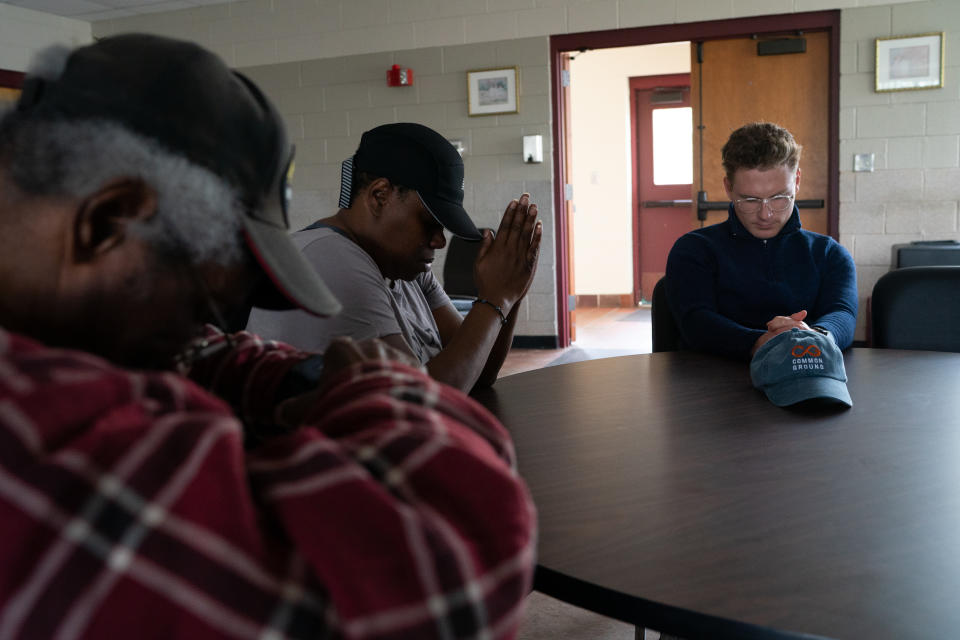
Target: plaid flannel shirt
{"x": 130, "y": 509}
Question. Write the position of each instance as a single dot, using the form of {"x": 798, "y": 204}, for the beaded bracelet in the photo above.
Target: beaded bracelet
{"x": 503, "y": 318}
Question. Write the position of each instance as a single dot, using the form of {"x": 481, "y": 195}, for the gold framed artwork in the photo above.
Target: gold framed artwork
{"x": 907, "y": 63}
{"x": 492, "y": 91}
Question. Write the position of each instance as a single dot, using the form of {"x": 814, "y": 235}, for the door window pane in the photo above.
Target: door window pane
{"x": 673, "y": 145}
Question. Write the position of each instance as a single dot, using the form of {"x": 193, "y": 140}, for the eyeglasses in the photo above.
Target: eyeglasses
{"x": 777, "y": 204}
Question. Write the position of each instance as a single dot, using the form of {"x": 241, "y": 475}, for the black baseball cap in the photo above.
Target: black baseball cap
{"x": 189, "y": 102}
{"x": 417, "y": 157}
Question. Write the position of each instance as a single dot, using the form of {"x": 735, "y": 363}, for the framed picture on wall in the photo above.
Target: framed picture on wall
{"x": 906, "y": 63}
{"x": 492, "y": 91}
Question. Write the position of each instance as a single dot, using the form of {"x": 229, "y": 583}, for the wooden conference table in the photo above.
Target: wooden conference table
{"x": 674, "y": 496}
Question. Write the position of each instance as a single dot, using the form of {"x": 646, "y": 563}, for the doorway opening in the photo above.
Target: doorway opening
{"x": 619, "y": 159}
{"x": 617, "y": 214}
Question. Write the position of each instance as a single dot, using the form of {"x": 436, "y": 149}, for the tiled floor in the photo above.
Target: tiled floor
{"x": 547, "y": 618}
{"x": 600, "y": 333}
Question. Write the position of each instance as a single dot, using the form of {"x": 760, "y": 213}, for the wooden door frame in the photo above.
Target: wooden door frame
{"x": 644, "y": 83}
{"x": 11, "y": 79}
{"x": 787, "y": 23}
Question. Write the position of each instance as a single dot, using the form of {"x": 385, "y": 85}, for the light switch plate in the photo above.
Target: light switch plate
{"x": 863, "y": 162}
{"x": 533, "y": 149}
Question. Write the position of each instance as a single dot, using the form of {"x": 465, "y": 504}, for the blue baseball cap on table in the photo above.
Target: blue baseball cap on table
{"x": 799, "y": 365}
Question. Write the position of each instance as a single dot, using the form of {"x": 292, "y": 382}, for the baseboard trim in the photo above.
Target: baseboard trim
{"x": 604, "y": 300}
{"x": 536, "y": 342}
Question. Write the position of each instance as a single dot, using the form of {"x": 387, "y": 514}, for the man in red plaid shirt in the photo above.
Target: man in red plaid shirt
{"x": 143, "y": 192}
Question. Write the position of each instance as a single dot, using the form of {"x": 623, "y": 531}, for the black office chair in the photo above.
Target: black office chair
{"x": 917, "y": 308}
{"x": 458, "y": 273}
{"x": 666, "y": 334}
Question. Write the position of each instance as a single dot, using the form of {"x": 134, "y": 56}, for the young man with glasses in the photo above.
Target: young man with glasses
{"x": 734, "y": 285}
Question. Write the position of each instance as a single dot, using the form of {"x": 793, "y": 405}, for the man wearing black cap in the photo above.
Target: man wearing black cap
{"x": 143, "y": 193}
{"x": 399, "y": 192}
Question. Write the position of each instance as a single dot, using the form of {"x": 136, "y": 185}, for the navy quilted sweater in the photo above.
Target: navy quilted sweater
{"x": 723, "y": 284}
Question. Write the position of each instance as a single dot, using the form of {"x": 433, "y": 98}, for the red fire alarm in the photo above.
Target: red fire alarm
{"x": 397, "y": 77}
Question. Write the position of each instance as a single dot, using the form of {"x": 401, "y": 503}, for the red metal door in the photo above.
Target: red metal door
{"x": 662, "y": 127}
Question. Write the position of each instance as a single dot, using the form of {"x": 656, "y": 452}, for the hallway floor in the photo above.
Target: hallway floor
{"x": 601, "y": 333}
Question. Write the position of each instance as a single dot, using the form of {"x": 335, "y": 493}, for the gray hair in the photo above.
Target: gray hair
{"x": 198, "y": 213}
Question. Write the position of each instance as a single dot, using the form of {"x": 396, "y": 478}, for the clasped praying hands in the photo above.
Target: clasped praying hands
{"x": 507, "y": 261}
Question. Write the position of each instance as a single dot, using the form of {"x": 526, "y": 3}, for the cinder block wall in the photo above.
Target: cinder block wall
{"x": 24, "y": 32}
{"x": 329, "y": 103}
{"x": 915, "y": 135}
{"x": 913, "y": 194}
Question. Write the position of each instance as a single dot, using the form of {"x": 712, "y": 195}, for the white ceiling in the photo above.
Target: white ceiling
{"x": 92, "y": 10}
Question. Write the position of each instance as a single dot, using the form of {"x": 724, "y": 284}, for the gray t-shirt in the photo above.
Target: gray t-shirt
{"x": 373, "y": 306}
